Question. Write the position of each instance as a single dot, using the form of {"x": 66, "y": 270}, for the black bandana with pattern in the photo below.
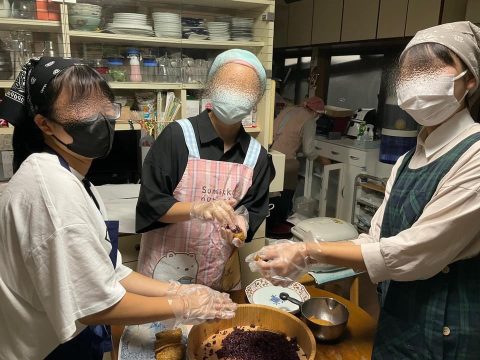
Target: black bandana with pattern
{"x": 28, "y": 90}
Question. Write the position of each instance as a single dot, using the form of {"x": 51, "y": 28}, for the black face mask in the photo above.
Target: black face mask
{"x": 91, "y": 139}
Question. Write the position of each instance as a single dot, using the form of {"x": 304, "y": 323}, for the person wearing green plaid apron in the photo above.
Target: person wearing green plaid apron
{"x": 424, "y": 241}
{"x": 436, "y": 318}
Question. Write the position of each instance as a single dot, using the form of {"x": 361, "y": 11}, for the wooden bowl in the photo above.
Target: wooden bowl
{"x": 265, "y": 317}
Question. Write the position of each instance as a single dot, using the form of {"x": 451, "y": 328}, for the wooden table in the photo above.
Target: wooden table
{"x": 355, "y": 344}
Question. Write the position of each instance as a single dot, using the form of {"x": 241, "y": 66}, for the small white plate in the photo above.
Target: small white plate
{"x": 263, "y": 292}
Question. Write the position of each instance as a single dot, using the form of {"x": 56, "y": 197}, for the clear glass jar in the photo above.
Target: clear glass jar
{"x": 101, "y": 66}
{"x": 117, "y": 71}
{"x": 149, "y": 70}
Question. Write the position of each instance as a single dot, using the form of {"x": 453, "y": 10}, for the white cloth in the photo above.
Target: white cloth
{"x": 448, "y": 229}
{"x": 54, "y": 263}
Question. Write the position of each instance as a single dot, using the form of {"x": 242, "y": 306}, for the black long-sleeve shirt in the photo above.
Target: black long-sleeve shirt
{"x": 166, "y": 162}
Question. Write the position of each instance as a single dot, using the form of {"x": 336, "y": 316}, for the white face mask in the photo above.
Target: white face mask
{"x": 231, "y": 106}
{"x": 430, "y": 100}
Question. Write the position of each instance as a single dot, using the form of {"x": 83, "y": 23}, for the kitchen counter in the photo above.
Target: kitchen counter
{"x": 355, "y": 344}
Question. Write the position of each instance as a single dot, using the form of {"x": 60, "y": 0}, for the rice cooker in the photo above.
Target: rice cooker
{"x": 324, "y": 229}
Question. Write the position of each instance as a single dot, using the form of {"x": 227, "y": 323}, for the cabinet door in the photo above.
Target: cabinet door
{"x": 473, "y": 11}
{"x": 280, "y": 36}
{"x": 392, "y": 18}
{"x": 327, "y": 21}
{"x": 300, "y": 23}
{"x": 359, "y": 20}
{"x": 454, "y": 10}
{"x": 422, "y": 14}
{"x": 330, "y": 202}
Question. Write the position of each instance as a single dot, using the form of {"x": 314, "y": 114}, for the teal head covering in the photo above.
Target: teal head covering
{"x": 243, "y": 57}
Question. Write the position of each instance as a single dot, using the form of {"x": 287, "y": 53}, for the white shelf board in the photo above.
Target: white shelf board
{"x": 186, "y": 4}
{"x": 12, "y": 24}
{"x": 145, "y": 85}
{"x": 125, "y": 126}
{"x": 124, "y": 39}
{"x": 6, "y": 84}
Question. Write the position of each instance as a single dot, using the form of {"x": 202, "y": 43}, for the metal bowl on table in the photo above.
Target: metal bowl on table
{"x": 325, "y": 316}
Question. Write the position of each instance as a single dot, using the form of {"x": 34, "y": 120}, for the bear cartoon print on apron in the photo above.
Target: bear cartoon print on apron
{"x": 193, "y": 251}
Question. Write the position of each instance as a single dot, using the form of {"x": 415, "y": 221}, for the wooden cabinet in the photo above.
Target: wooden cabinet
{"x": 327, "y": 21}
{"x": 392, "y": 18}
{"x": 354, "y": 160}
{"x": 359, "y": 20}
{"x": 300, "y": 23}
{"x": 280, "y": 37}
{"x": 422, "y": 14}
{"x": 454, "y": 10}
{"x": 473, "y": 11}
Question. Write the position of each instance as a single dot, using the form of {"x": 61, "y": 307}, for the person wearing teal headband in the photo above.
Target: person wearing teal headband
{"x": 205, "y": 182}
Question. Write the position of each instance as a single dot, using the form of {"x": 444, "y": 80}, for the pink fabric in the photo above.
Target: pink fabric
{"x": 193, "y": 251}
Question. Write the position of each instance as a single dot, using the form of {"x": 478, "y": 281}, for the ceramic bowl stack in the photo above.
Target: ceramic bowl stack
{"x": 85, "y": 17}
{"x": 167, "y": 25}
{"x": 130, "y": 23}
{"x": 242, "y": 29}
{"x": 219, "y": 30}
{"x": 194, "y": 28}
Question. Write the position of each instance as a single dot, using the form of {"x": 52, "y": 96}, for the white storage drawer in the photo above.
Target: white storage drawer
{"x": 342, "y": 154}
{"x": 129, "y": 247}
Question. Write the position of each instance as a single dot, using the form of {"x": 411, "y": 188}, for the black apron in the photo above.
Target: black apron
{"x": 92, "y": 342}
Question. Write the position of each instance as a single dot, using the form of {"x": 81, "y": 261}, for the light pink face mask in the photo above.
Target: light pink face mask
{"x": 430, "y": 99}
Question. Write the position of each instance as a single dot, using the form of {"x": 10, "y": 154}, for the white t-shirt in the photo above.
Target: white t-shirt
{"x": 54, "y": 263}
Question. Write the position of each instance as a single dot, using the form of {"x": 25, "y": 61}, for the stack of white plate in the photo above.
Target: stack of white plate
{"x": 130, "y": 23}
{"x": 219, "y": 30}
{"x": 167, "y": 24}
{"x": 242, "y": 29}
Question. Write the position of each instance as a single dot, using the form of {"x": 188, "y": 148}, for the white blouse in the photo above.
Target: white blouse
{"x": 448, "y": 230}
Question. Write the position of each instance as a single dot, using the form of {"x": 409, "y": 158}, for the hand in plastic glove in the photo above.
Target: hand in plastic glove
{"x": 235, "y": 236}
{"x": 281, "y": 263}
{"x": 219, "y": 210}
{"x": 194, "y": 304}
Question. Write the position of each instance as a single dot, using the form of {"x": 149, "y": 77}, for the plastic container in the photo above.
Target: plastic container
{"x": 395, "y": 143}
{"x": 101, "y": 66}
{"x": 117, "y": 70}
{"x": 48, "y": 10}
{"x": 149, "y": 69}
{"x": 135, "y": 71}
{"x": 24, "y": 9}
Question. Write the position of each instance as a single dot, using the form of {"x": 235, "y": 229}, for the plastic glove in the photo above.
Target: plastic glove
{"x": 241, "y": 220}
{"x": 219, "y": 210}
{"x": 281, "y": 263}
{"x": 195, "y": 304}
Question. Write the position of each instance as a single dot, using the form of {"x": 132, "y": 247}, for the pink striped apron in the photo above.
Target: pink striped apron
{"x": 193, "y": 251}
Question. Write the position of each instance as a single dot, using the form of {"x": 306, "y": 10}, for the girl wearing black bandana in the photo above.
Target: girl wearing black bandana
{"x": 62, "y": 281}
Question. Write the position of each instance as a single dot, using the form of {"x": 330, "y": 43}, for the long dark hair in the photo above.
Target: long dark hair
{"x": 79, "y": 81}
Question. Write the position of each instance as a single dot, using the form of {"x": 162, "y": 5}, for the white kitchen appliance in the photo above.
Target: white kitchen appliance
{"x": 324, "y": 229}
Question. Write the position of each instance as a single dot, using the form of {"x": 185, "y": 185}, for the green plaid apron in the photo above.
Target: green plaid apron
{"x": 437, "y": 318}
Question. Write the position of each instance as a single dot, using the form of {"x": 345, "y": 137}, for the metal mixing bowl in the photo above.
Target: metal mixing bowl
{"x": 325, "y": 308}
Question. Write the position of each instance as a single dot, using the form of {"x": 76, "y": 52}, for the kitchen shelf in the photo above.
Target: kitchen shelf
{"x": 366, "y": 203}
{"x": 12, "y": 24}
{"x": 374, "y": 187}
{"x": 124, "y": 39}
{"x": 253, "y": 130}
{"x": 126, "y": 126}
{"x": 6, "y": 84}
{"x": 186, "y": 4}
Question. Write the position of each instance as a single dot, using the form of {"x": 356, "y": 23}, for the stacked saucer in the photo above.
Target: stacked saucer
{"x": 219, "y": 30}
{"x": 242, "y": 29}
{"x": 130, "y": 23}
{"x": 167, "y": 25}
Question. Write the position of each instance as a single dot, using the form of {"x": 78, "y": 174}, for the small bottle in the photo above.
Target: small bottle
{"x": 135, "y": 70}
